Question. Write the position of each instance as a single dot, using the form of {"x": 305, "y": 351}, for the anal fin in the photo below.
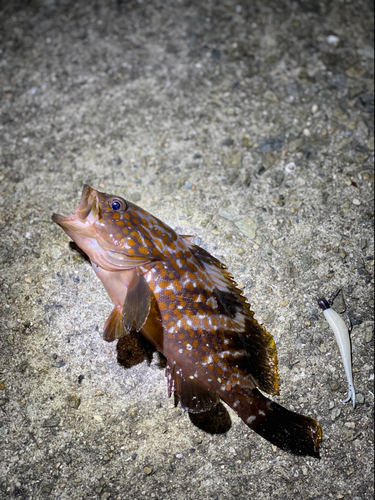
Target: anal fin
{"x": 193, "y": 396}
{"x": 114, "y": 328}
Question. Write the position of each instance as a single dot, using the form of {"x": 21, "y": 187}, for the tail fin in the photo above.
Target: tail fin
{"x": 288, "y": 430}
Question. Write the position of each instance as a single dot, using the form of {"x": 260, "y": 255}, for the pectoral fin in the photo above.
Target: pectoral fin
{"x": 137, "y": 303}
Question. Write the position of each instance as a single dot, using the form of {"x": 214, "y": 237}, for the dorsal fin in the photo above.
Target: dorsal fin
{"x": 193, "y": 396}
{"x": 259, "y": 344}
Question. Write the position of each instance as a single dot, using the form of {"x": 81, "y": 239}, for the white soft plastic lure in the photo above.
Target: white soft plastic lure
{"x": 341, "y": 332}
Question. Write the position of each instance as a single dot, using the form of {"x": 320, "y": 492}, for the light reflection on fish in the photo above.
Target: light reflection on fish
{"x": 183, "y": 300}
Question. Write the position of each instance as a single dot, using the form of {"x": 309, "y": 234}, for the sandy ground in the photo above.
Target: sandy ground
{"x": 246, "y": 124}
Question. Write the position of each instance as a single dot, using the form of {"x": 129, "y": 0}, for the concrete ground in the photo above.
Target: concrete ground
{"x": 248, "y": 124}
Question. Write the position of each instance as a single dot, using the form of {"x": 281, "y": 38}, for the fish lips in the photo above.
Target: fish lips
{"x": 85, "y": 215}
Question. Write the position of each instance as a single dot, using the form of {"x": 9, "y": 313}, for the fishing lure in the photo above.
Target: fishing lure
{"x": 341, "y": 332}
{"x": 184, "y": 301}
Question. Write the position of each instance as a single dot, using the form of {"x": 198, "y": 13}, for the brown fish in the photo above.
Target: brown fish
{"x": 183, "y": 300}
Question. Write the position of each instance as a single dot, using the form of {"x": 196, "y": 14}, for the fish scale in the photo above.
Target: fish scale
{"x": 184, "y": 301}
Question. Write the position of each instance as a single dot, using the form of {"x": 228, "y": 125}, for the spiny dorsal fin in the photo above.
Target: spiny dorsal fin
{"x": 193, "y": 396}
{"x": 254, "y": 338}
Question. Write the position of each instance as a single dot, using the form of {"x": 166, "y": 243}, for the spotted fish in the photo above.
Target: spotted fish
{"x": 184, "y": 301}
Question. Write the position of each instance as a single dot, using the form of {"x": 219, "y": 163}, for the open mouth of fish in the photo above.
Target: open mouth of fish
{"x": 86, "y": 213}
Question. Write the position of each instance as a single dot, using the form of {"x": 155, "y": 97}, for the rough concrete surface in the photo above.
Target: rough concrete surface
{"x": 248, "y": 124}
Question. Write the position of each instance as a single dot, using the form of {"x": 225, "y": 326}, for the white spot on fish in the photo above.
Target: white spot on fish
{"x": 188, "y": 347}
{"x": 260, "y": 412}
{"x": 212, "y": 302}
{"x": 251, "y": 419}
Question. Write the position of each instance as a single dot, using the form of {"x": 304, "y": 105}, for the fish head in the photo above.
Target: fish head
{"x": 114, "y": 233}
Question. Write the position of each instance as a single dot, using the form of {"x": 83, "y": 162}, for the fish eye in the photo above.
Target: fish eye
{"x": 117, "y": 205}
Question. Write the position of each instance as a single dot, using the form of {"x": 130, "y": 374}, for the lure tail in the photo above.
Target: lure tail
{"x": 288, "y": 430}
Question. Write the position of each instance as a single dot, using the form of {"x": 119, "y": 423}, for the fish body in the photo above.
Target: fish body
{"x": 184, "y": 301}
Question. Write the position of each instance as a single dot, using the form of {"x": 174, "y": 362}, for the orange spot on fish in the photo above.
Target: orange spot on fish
{"x": 206, "y": 323}
{"x": 178, "y": 314}
{"x": 143, "y": 250}
{"x": 177, "y": 285}
{"x": 228, "y": 388}
{"x": 116, "y": 216}
{"x": 120, "y": 223}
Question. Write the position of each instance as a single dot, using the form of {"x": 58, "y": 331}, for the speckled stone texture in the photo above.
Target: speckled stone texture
{"x": 247, "y": 124}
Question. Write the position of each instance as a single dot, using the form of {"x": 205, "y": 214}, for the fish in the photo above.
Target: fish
{"x": 185, "y": 302}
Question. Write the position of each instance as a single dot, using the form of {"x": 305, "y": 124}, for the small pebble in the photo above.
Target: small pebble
{"x": 336, "y": 412}
{"x": 360, "y": 399}
{"x": 369, "y": 334}
{"x": 52, "y": 422}
{"x": 350, "y": 434}
{"x": 248, "y": 227}
{"x": 333, "y": 39}
{"x": 355, "y": 201}
{"x": 290, "y": 167}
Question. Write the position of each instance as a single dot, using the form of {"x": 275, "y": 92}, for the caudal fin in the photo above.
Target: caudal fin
{"x": 288, "y": 430}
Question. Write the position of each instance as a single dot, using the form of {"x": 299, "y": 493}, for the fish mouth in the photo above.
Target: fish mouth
{"x": 86, "y": 213}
